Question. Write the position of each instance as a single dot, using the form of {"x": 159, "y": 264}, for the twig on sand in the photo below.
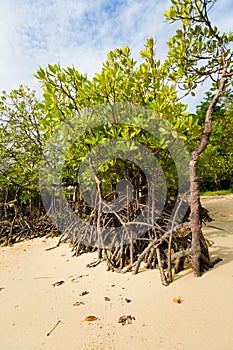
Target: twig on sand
{"x": 93, "y": 264}
{"x": 56, "y": 246}
{"x": 53, "y": 328}
{"x": 217, "y": 228}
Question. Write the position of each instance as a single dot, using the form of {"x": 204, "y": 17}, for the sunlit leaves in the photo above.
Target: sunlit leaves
{"x": 198, "y": 48}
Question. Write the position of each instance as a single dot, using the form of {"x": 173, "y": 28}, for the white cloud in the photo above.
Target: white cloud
{"x": 79, "y": 32}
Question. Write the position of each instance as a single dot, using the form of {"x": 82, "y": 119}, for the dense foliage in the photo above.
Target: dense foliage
{"x": 198, "y": 51}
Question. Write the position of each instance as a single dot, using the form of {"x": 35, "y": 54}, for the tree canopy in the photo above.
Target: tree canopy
{"x": 198, "y": 52}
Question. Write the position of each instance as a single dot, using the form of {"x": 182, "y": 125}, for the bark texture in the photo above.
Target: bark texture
{"x": 198, "y": 257}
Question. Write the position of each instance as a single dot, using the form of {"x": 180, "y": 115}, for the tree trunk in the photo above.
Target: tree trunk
{"x": 195, "y": 214}
{"x": 194, "y": 185}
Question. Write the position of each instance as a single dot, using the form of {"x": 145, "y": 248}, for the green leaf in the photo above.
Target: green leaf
{"x": 52, "y": 68}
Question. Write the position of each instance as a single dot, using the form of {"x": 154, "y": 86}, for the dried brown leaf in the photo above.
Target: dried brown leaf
{"x": 58, "y": 283}
{"x": 90, "y": 319}
{"x": 84, "y": 293}
{"x": 177, "y": 300}
{"x": 126, "y": 320}
{"x": 78, "y": 303}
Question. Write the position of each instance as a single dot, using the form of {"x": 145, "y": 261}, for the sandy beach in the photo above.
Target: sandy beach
{"x": 32, "y": 302}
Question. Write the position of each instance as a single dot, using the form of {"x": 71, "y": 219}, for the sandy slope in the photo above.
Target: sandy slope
{"x": 30, "y": 306}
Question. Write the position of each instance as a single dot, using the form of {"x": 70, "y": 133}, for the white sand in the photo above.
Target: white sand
{"x": 30, "y": 306}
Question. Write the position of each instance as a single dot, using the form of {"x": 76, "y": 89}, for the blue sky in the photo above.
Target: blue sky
{"x": 80, "y": 33}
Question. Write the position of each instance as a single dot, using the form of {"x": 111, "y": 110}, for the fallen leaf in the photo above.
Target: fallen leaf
{"x": 58, "y": 283}
{"x": 126, "y": 320}
{"x": 177, "y": 300}
{"x": 78, "y": 303}
{"x": 84, "y": 293}
{"x": 90, "y": 319}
